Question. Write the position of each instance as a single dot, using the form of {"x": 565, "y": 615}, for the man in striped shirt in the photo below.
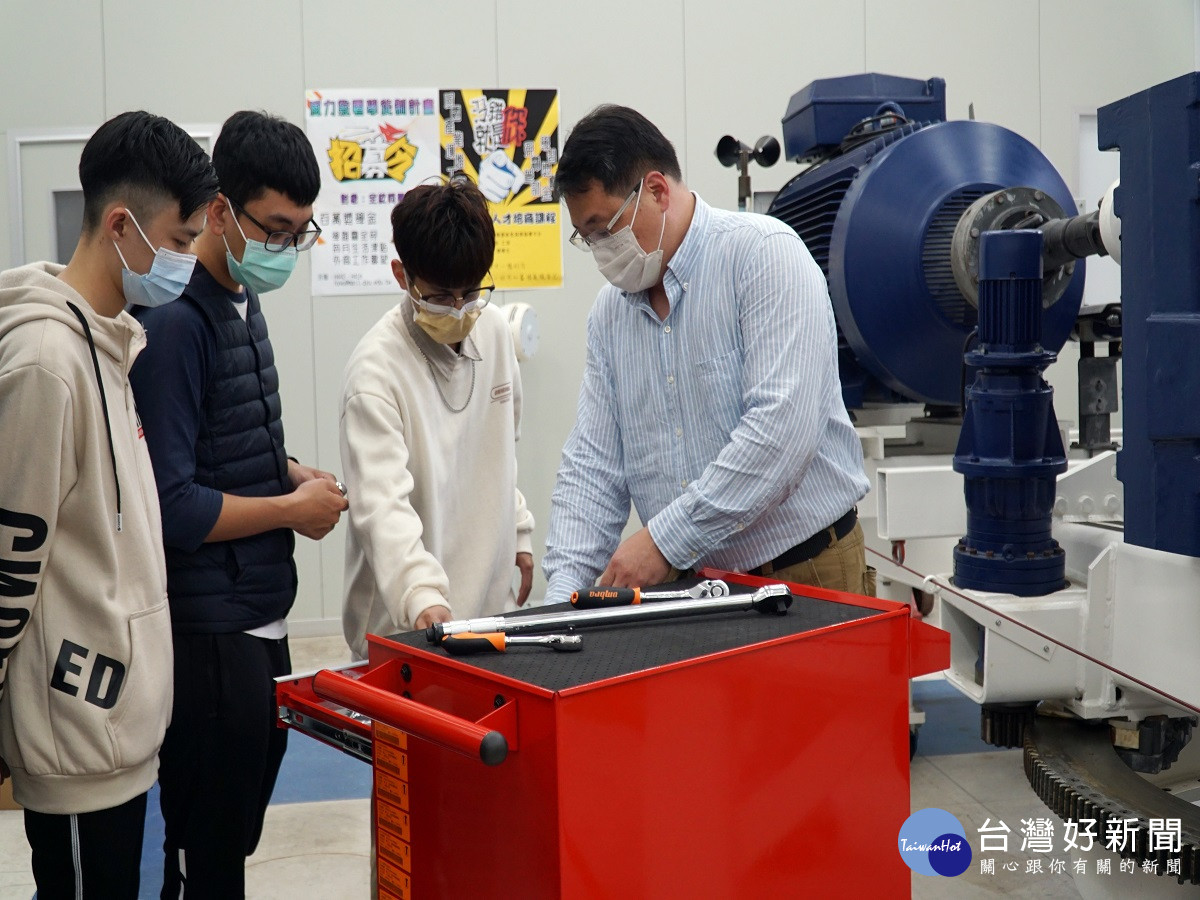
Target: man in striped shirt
{"x": 711, "y": 397}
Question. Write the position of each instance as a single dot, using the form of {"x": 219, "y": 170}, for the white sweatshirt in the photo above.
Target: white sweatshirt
{"x": 85, "y": 634}
{"x": 435, "y": 514}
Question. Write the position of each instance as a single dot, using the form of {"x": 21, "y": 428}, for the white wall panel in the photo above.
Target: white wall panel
{"x": 1096, "y": 51}
{"x": 203, "y": 62}
{"x": 51, "y": 56}
{"x": 986, "y": 51}
{"x": 51, "y": 70}
{"x": 743, "y": 63}
{"x": 697, "y": 68}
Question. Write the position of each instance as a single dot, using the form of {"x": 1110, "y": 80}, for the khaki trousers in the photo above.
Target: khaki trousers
{"x": 842, "y": 566}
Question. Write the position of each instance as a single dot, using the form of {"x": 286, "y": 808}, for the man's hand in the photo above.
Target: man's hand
{"x": 315, "y": 507}
{"x": 525, "y": 564}
{"x": 637, "y": 563}
{"x": 430, "y": 615}
{"x": 299, "y": 473}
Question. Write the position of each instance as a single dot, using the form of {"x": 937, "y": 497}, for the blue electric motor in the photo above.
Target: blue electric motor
{"x": 892, "y": 209}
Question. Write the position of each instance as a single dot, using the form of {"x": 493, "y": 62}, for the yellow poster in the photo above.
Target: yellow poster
{"x": 506, "y": 141}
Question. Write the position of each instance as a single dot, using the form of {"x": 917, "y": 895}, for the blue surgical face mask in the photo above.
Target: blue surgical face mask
{"x": 168, "y": 276}
{"x": 261, "y": 269}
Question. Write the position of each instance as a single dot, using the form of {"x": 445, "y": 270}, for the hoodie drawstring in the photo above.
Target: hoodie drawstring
{"x": 87, "y": 332}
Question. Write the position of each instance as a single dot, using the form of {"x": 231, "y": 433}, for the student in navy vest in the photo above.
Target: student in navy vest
{"x": 232, "y": 501}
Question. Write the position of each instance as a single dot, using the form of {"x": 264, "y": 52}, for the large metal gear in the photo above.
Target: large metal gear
{"x": 1073, "y": 767}
{"x": 1004, "y": 724}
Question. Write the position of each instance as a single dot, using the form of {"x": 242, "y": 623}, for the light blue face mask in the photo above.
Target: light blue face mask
{"x": 261, "y": 269}
{"x": 168, "y": 276}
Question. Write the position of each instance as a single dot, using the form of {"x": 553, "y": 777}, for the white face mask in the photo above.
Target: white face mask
{"x": 622, "y": 260}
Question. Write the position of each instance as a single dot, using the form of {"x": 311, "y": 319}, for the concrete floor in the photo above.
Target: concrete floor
{"x": 316, "y": 842}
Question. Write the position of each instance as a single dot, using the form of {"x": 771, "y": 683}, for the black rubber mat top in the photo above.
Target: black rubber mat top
{"x": 613, "y": 650}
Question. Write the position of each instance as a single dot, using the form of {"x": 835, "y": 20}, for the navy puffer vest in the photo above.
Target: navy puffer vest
{"x": 236, "y": 585}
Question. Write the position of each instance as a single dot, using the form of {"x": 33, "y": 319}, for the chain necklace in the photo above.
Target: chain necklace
{"x": 438, "y": 387}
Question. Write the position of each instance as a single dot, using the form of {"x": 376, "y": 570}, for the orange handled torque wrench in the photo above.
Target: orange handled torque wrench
{"x": 467, "y": 643}
{"x": 604, "y": 597}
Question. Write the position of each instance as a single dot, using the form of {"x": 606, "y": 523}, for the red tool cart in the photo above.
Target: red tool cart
{"x": 731, "y": 755}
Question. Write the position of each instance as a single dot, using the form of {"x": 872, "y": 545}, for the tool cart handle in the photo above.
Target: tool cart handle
{"x": 419, "y": 720}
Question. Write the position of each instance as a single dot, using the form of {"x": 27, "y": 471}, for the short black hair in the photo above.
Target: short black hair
{"x": 444, "y": 234}
{"x": 144, "y": 160}
{"x": 256, "y": 152}
{"x": 616, "y": 146}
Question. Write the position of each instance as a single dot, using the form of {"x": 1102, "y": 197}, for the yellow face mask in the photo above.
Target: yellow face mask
{"x": 448, "y": 327}
{"x": 441, "y": 321}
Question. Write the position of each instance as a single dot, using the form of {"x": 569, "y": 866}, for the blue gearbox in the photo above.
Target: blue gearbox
{"x": 1010, "y": 450}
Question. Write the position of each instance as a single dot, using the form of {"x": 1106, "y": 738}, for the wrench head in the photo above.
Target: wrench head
{"x": 565, "y": 643}
{"x": 772, "y": 598}
{"x": 718, "y": 588}
{"x": 711, "y": 588}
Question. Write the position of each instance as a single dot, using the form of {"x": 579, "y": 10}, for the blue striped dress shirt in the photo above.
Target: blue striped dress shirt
{"x": 723, "y": 423}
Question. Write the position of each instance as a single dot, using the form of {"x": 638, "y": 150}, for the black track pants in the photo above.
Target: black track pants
{"x": 219, "y": 760}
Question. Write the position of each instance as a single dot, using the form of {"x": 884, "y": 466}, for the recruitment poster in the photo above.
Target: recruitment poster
{"x": 506, "y": 141}
{"x": 371, "y": 147}
{"x": 375, "y": 145}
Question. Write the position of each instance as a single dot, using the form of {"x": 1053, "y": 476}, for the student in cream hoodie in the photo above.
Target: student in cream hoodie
{"x": 431, "y": 409}
{"x": 85, "y": 634}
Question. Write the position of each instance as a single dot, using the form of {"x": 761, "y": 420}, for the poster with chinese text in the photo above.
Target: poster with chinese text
{"x": 375, "y": 145}
{"x": 506, "y": 141}
{"x": 371, "y": 146}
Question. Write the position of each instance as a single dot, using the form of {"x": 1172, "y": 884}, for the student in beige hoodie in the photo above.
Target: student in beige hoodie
{"x": 85, "y": 635}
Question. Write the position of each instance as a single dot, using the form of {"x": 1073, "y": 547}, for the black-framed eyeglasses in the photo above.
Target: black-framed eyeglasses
{"x": 475, "y": 298}
{"x": 278, "y": 241}
{"x": 585, "y": 242}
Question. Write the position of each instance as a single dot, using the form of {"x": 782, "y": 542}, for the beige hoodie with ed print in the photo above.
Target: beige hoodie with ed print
{"x": 85, "y": 636}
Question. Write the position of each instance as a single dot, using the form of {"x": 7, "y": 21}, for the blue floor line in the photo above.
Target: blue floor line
{"x": 951, "y": 720}
{"x": 311, "y": 772}
{"x": 152, "y": 849}
{"x": 314, "y": 771}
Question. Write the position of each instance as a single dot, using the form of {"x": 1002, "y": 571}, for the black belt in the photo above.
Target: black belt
{"x": 810, "y": 548}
